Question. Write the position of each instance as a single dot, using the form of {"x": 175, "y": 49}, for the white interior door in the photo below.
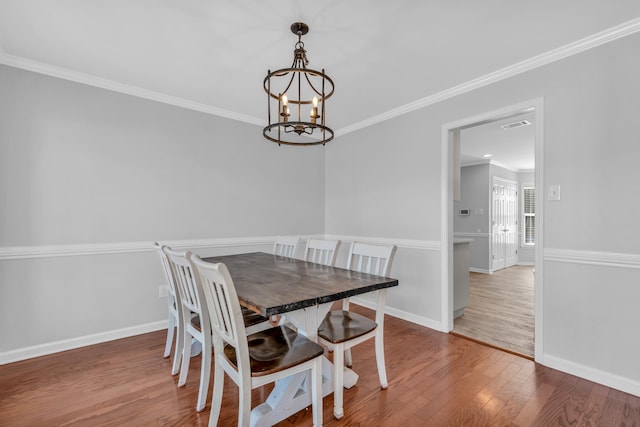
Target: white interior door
{"x": 504, "y": 224}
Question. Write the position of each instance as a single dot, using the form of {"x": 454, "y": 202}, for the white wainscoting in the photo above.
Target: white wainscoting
{"x": 410, "y": 257}
{"x": 137, "y": 267}
{"x": 611, "y": 279}
{"x": 416, "y": 267}
{"x": 410, "y": 283}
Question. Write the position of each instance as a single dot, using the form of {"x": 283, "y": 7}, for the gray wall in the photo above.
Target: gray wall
{"x": 590, "y": 100}
{"x": 79, "y": 165}
{"x": 86, "y": 170}
{"x": 475, "y": 184}
{"x": 475, "y": 195}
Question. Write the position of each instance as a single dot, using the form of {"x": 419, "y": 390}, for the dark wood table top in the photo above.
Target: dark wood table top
{"x": 271, "y": 284}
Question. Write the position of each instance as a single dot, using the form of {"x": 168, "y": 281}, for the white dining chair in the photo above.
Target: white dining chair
{"x": 343, "y": 329}
{"x": 175, "y": 311}
{"x": 195, "y": 323}
{"x": 195, "y": 318}
{"x": 254, "y": 360}
{"x": 285, "y": 246}
{"x": 322, "y": 251}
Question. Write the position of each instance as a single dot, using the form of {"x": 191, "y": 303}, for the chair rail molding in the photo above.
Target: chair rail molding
{"x": 49, "y": 251}
{"x": 606, "y": 259}
{"x": 429, "y": 245}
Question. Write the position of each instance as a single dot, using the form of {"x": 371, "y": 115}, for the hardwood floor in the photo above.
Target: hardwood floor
{"x": 500, "y": 310}
{"x": 435, "y": 379}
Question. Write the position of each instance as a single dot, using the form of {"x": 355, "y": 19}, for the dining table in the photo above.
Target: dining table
{"x": 303, "y": 292}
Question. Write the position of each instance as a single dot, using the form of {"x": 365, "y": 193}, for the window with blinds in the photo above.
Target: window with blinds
{"x": 529, "y": 216}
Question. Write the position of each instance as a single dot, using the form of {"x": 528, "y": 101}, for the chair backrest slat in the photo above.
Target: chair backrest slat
{"x": 166, "y": 269}
{"x": 185, "y": 280}
{"x": 322, "y": 251}
{"x": 285, "y": 246}
{"x": 224, "y": 306}
{"x": 373, "y": 259}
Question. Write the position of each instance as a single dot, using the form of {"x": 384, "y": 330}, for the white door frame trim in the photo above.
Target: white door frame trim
{"x": 446, "y": 265}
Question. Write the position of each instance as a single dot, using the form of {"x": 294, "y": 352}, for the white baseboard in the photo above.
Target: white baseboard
{"x": 528, "y": 264}
{"x": 409, "y": 317}
{"x": 73, "y": 343}
{"x": 480, "y": 270}
{"x": 592, "y": 374}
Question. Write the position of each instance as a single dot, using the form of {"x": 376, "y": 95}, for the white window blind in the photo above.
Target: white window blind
{"x": 529, "y": 213}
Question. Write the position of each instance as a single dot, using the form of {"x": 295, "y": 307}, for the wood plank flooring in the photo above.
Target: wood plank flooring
{"x": 435, "y": 379}
{"x": 500, "y": 310}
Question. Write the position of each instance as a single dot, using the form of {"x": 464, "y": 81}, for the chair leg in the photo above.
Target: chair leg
{"x": 205, "y": 373}
{"x": 347, "y": 358}
{"x": 382, "y": 370}
{"x": 244, "y": 408}
{"x": 186, "y": 357}
{"x": 177, "y": 353}
{"x": 316, "y": 392}
{"x": 338, "y": 380}
{"x": 218, "y": 386}
{"x": 170, "y": 331}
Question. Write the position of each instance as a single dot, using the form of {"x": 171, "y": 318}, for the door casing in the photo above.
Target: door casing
{"x": 446, "y": 217}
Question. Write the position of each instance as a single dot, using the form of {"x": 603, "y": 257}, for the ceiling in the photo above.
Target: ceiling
{"x": 212, "y": 55}
{"x": 512, "y": 148}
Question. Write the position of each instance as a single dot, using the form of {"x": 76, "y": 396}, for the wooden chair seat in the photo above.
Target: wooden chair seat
{"x": 274, "y": 350}
{"x": 340, "y": 326}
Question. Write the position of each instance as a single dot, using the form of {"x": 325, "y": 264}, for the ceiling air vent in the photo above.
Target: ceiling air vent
{"x": 516, "y": 124}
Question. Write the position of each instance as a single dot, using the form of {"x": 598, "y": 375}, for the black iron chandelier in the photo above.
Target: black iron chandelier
{"x": 296, "y": 99}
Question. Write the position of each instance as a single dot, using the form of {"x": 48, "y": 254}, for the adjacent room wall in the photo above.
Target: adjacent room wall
{"x": 591, "y": 255}
{"x": 89, "y": 178}
{"x": 475, "y": 183}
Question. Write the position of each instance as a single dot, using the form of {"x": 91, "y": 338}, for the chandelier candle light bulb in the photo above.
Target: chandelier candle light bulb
{"x": 314, "y": 111}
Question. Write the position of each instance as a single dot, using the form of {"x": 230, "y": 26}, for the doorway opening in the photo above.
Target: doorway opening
{"x": 505, "y": 246}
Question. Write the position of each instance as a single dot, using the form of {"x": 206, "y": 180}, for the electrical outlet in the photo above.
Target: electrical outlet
{"x": 163, "y": 291}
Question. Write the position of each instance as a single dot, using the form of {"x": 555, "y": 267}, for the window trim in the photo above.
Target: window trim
{"x": 524, "y": 215}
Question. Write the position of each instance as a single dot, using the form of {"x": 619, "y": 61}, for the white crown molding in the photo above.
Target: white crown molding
{"x": 88, "y": 79}
{"x": 606, "y": 259}
{"x": 606, "y": 36}
{"x": 586, "y": 43}
{"x": 430, "y": 245}
{"x": 475, "y": 163}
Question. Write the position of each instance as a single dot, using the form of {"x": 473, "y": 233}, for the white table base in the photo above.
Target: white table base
{"x": 293, "y": 394}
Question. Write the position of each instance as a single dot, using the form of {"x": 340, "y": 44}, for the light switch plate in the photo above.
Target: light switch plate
{"x": 554, "y": 192}
{"x": 163, "y": 291}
